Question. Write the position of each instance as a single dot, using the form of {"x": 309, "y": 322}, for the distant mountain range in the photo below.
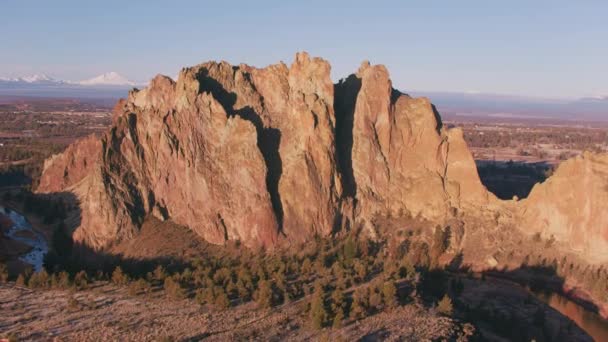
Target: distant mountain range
{"x": 108, "y": 79}
{"x": 108, "y": 85}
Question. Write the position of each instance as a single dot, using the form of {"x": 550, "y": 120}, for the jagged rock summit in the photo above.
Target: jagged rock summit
{"x": 266, "y": 156}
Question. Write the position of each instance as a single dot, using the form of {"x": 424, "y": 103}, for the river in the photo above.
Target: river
{"x": 591, "y": 322}
{"x": 34, "y": 239}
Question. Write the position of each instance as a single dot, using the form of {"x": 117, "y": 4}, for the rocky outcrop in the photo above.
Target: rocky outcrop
{"x": 266, "y": 155}
{"x": 570, "y": 206}
{"x": 72, "y": 166}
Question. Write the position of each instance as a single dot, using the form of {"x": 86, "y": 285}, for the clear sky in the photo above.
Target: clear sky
{"x": 538, "y": 48}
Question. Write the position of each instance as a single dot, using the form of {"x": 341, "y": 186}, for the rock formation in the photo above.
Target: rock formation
{"x": 402, "y": 157}
{"x": 281, "y": 154}
{"x": 570, "y": 206}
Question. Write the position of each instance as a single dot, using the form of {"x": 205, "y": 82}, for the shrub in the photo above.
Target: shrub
{"x": 81, "y": 280}
{"x": 119, "y": 277}
{"x": 174, "y": 289}
{"x": 160, "y": 273}
{"x": 20, "y": 280}
{"x": 39, "y": 280}
{"x": 445, "y": 306}
{"x": 61, "y": 280}
{"x": 139, "y": 286}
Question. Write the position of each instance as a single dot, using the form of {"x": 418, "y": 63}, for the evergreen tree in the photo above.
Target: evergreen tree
{"x": 318, "y": 314}
{"x": 445, "y": 306}
{"x": 389, "y": 294}
{"x": 119, "y": 277}
{"x": 264, "y": 294}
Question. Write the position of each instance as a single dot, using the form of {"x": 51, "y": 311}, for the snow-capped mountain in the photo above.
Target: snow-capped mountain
{"x": 108, "y": 79}
{"x": 108, "y": 85}
{"x": 33, "y": 79}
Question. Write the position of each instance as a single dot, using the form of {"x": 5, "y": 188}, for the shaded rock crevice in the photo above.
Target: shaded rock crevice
{"x": 345, "y": 100}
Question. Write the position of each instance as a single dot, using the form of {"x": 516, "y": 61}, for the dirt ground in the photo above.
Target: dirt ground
{"x": 105, "y": 313}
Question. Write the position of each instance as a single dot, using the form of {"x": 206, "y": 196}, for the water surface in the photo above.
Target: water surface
{"x": 592, "y": 323}
{"x": 34, "y": 239}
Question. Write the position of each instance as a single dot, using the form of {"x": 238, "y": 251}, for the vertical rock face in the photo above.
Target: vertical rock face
{"x": 402, "y": 159}
{"x": 292, "y": 110}
{"x": 570, "y": 206}
{"x": 263, "y": 155}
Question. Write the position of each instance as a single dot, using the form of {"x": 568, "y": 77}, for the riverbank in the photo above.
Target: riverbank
{"x": 568, "y": 288}
{"x": 34, "y": 220}
{"x": 502, "y": 309}
{"x": 23, "y": 245}
{"x": 8, "y": 247}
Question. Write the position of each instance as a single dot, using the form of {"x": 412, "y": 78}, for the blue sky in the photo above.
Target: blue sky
{"x": 536, "y": 48}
